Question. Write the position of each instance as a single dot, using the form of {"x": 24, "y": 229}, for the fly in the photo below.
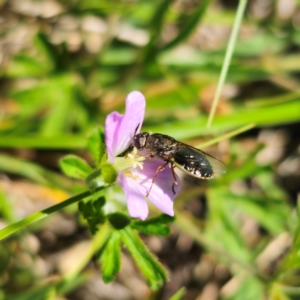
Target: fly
{"x": 185, "y": 157}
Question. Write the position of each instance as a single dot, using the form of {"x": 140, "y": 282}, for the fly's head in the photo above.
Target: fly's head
{"x": 140, "y": 140}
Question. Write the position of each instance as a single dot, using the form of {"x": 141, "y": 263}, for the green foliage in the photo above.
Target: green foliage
{"x": 92, "y": 212}
{"x": 75, "y": 167}
{"x": 111, "y": 257}
{"x": 119, "y": 220}
{"x": 250, "y": 288}
{"x": 148, "y": 264}
{"x": 58, "y": 85}
{"x": 156, "y": 226}
{"x": 6, "y": 208}
{"x": 96, "y": 145}
{"x": 179, "y": 294}
{"x": 190, "y": 22}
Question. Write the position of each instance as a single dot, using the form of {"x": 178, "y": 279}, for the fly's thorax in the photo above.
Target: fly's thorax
{"x": 160, "y": 145}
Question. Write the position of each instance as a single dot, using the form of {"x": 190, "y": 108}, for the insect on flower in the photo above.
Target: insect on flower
{"x": 177, "y": 154}
{"x": 135, "y": 171}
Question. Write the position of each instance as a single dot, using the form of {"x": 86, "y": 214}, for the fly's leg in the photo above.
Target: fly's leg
{"x": 147, "y": 156}
{"x": 175, "y": 183}
{"x": 159, "y": 169}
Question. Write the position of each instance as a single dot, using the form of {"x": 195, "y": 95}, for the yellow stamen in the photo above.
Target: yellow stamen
{"x": 131, "y": 161}
{"x": 129, "y": 174}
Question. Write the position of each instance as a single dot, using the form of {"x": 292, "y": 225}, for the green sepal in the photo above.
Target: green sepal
{"x": 92, "y": 179}
{"x": 111, "y": 257}
{"x": 150, "y": 267}
{"x": 109, "y": 173}
{"x": 75, "y": 167}
{"x": 155, "y": 225}
{"x": 96, "y": 145}
{"x": 119, "y": 220}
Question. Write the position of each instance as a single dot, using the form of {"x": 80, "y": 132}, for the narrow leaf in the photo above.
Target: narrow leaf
{"x": 229, "y": 51}
{"x": 190, "y": 26}
{"x": 37, "y": 216}
{"x": 179, "y": 294}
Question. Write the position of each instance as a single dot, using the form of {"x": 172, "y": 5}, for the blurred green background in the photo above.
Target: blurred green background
{"x": 64, "y": 65}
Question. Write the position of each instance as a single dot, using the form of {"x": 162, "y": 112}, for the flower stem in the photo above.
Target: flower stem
{"x": 37, "y": 216}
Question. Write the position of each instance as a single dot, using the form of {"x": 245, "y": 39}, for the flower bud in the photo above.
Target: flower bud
{"x": 109, "y": 173}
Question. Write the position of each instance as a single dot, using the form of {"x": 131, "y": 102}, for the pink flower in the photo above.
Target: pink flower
{"x": 135, "y": 172}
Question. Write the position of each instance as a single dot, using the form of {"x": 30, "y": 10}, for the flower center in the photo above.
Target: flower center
{"x": 132, "y": 160}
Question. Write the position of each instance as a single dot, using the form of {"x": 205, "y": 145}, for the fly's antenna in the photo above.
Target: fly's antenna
{"x": 137, "y": 127}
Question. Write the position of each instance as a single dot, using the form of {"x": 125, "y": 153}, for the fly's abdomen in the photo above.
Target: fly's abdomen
{"x": 193, "y": 162}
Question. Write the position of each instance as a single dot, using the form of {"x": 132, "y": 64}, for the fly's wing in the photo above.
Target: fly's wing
{"x": 197, "y": 163}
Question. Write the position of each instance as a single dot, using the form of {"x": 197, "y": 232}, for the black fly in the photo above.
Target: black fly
{"x": 187, "y": 158}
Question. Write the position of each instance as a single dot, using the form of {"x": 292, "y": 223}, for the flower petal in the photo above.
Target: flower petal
{"x": 119, "y": 129}
{"x": 161, "y": 193}
{"x": 112, "y": 125}
{"x": 135, "y": 195}
{"x": 132, "y": 120}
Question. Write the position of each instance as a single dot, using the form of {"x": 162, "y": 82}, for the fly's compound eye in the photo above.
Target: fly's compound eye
{"x": 142, "y": 141}
{"x": 139, "y": 140}
{"x": 137, "y": 143}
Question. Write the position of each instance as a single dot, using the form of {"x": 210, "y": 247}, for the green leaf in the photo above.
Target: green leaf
{"x": 155, "y": 27}
{"x": 148, "y": 264}
{"x": 221, "y": 223}
{"x": 111, "y": 257}
{"x": 249, "y": 288}
{"x": 75, "y": 166}
{"x": 39, "y": 63}
{"x": 155, "y": 225}
{"x": 189, "y": 28}
{"x": 258, "y": 207}
{"x": 92, "y": 212}
{"x": 99, "y": 203}
{"x": 32, "y": 171}
{"x": 23, "y": 65}
{"x": 47, "y": 290}
{"x": 179, "y": 294}
{"x": 43, "y": 142}
{"x": 120, "y": 55}
{"x": 262, "y": 116}
{"x": 96, "y": 145}
{"x": 86, "y": 208}
{"x": 6, "y": 208}
{"x": 118, "y": 220}
{"x": 61, "y": 96}
{"x": 157, "y": 20}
